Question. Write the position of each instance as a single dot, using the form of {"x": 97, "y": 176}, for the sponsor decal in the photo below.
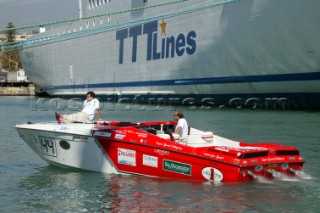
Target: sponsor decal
{"x": 222, "y": 149}
{"x": 177, "y": 167}
{"x": 169, "y": 145}
{"x": 79, "y": 138}
{"x": 105, "y": 134}
{"x": 209, "y": 155}
{"x": 169, "y": 46}
{"x": 161, "y": 152}
{"x": 270, "y": 159}
{"x": 149, "y": 160}
{"x": 119, "y": 136}
{"x": 237, "y": 161}
{"x": 141, "y": 135}
{"x": 127, "y": 157}
{"x": 65, "y": 128}
{"x": 272, "y": 165}
{"x": 212, "y": 174}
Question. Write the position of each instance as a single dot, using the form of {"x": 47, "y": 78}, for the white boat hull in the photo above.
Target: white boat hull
{"x": 66, "y": 145}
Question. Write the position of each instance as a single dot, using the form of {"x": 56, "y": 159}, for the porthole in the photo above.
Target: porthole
{"x": 64, "y": 144}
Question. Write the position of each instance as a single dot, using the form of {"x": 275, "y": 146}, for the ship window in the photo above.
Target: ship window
{"x": 101, "y": 21}
{"x": 94, "y": 23}
{"x": 87, "y": 25}
{"x": 109, "y": 17}
{"x": 80, "y": 27}
{"x": 97, "y": 3}
{"x": 91, "y": 4}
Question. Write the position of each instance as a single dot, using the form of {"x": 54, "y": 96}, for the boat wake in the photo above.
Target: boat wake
{"x": 262, "y": 179}
{"x": 304, "y": 176}
{"x": 278, "y": 176}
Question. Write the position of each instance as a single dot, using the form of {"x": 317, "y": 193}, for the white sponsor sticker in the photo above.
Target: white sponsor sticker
{"x": 119, "y": 136}
{"x": 127, "y": 157}
{"x": 212, "y": 174}
{"x": 150, "y": 161}
{"x": 105, "y": 134}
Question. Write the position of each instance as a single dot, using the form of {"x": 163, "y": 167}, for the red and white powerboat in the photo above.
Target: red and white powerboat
{"x": 150, "y": 149}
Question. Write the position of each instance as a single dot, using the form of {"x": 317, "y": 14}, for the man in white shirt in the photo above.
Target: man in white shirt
{"x": 90, "y": 108}
{"x": 182, "y": 126}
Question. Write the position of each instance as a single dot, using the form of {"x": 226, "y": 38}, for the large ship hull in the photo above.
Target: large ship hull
{"x": 242, "y": 53}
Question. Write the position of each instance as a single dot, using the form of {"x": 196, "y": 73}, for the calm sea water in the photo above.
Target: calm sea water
{"x": 28, "y": 184}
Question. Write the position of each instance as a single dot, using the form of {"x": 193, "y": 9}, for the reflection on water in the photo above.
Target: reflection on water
{"x": 52, "y": 189}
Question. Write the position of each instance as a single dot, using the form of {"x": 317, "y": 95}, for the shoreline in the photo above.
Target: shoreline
{"x": 18, "y": 90}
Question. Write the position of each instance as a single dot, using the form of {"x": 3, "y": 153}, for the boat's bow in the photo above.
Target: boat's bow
{"x": 65, "y": 145}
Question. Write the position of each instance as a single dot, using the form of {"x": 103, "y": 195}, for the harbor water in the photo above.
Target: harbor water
{"x": 28, "y": 184}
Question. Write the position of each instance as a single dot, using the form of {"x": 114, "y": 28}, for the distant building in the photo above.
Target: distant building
{"x": 22, "y": 37}
{"x": 18, "y": 76}
{"x": 19, "y": 37}
{"x": 42, "y": 29}
{"x": 21, "y": 76}
{"x": 3, "y": 77}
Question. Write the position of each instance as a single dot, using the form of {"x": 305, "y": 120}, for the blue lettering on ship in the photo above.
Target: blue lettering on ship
{"x": 171, "y": 46}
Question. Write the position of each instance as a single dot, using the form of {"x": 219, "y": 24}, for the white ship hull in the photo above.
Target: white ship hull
{"x": 221, "y": 50}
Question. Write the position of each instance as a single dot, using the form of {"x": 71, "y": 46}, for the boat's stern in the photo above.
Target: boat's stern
{"x": 268, "y": 161}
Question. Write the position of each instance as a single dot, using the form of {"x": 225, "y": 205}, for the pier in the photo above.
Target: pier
{"x": 17, "y": 89}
